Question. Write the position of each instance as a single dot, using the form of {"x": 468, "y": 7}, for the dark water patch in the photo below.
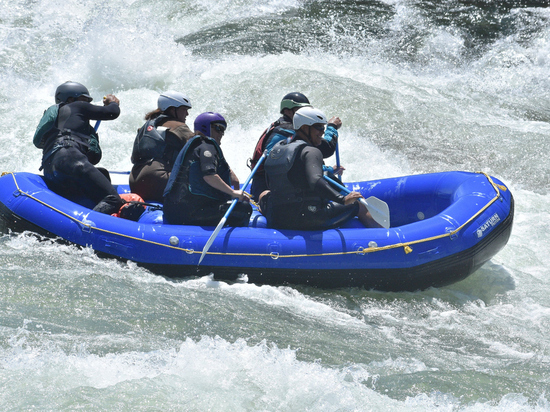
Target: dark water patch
{"x": 397, "y": 33}
{"x": 315, "y": 25}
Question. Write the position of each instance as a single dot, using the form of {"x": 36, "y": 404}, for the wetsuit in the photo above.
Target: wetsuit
{"x": 189, "y": 199}
{"x": 67, "y": 161}
{"x": 280, "y": 130}
{"x": 300, "y": 197}
{"x": 156, "y": 147}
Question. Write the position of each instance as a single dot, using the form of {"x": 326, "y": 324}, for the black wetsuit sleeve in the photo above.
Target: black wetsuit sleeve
{"x": 76, "y": 116}
{"x": 95, "y": 112}
{"x": 208, "y": 156}
{"x": 312, "y": 159}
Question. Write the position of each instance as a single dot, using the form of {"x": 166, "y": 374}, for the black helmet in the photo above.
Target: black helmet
{"x": 71, "y": 89}
{"x": 294, "y": 99}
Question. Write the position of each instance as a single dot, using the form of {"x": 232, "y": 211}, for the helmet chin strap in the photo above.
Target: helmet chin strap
{"x": 307, "y": 137}
{"x": 310, "y": 140}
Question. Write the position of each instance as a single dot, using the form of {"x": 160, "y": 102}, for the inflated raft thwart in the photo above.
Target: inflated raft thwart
{"x": 444, "y": 226}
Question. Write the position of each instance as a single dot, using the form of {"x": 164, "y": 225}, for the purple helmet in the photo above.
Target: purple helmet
{"x": 204, "y": 120}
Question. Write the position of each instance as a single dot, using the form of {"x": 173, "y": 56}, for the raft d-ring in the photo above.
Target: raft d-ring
{"x": 361, "y": 251}
{"x": 452, "y": 234}
{"x": 189, "y": 251}
{"x": 274, "y": 255}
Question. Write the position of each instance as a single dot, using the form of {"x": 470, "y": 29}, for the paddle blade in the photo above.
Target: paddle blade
{"x": 379, "y": 211}
{"x": 212, "y": 237}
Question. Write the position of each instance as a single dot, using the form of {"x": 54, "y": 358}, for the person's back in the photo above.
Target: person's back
{"x": 299, "y": 194}
{"x": 71, "y": 146}
{"x": 157, "y": 144}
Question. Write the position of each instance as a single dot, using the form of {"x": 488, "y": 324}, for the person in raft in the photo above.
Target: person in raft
{"x": 300, "y": 197}
{"x": 70, "y": 148}
{"x": 157, "y": 145}
{"x": 199, "y": 190}
{"x": 283, "y": 129}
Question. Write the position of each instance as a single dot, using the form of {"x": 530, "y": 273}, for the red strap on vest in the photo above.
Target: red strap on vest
{"x": 260, "y": 146}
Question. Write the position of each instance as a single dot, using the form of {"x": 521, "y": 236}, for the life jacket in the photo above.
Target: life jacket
{"x": 277, "y": 165}
{"x": 186, "y": 176}
{"x": 47, "y": 126}
{"x": 51, "y": 137}
{"x": 150, "y": 142}
{"x": 281, "y": 124}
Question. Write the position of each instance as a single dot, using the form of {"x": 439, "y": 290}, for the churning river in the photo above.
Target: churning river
{"x": 421, "y": 86}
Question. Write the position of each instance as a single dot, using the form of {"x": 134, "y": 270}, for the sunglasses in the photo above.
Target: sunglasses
{"x": 218, "y": 128}
{"x": 319, "y": 127}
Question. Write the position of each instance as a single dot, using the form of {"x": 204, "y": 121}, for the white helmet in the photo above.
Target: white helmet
{"x": 308, "y": 116}
{"x": 173, "y": 99}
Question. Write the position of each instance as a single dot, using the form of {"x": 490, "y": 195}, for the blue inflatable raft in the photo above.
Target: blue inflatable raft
{"x": 444, "y": 226}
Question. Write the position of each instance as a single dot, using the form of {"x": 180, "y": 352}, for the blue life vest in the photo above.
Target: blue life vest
{"x": 186, "y": 177}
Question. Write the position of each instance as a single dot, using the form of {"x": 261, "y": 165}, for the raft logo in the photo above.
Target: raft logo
{"x": 491, "y": 222}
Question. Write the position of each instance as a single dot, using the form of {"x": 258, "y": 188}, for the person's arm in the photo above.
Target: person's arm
{"x": 180, "y": 131}
{"x": 208, "y": 156}
{"x": 217, "y": 183}
{"x": 234, "y": 180}
{"x": 110, "y": 111}
{"x": 330, "y": 139}
{"x": 313, "y": 164}
{"x": 334, "y": 170}
{"x": 177, "y": 135}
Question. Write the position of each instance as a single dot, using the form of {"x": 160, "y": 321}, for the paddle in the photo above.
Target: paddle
{"x": 99, "y": 121}
{"x": 224, "y": 218}
{"x": 338, "y": 159}
{"x": 378, "y": 209}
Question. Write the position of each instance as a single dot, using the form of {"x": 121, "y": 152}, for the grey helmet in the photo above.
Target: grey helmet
{"x": 308, "y": 116}
{"x": 173, "y": 99}
{"x": 71, "y": 89}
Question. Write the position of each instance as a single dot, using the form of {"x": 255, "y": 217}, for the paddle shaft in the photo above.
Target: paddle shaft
{"x": 226, "y": 215}
{"x": 337, "y": 185}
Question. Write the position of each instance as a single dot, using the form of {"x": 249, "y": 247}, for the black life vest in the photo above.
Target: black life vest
{"x": 277, "y": 165}
{"x": 150, "y": 142}
{"x": 186, "y": 176}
